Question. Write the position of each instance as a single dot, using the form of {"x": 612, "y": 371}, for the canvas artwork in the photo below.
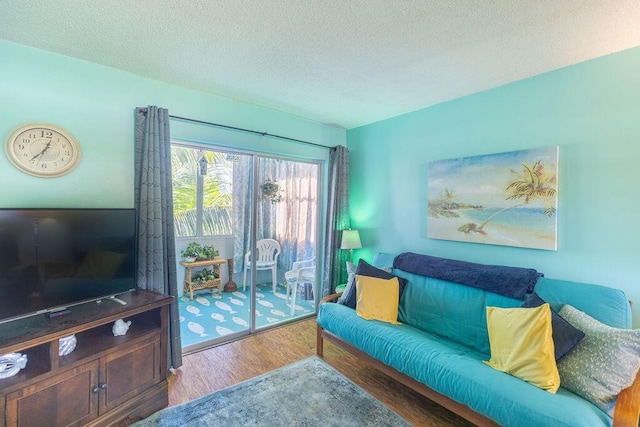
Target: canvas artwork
{"x": 500, "y": 199}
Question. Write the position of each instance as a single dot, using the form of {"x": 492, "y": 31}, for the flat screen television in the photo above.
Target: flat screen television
{"x": 53, "y": 259}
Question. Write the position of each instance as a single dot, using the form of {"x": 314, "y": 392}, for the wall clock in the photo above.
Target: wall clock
{"x": 43, "y": 150}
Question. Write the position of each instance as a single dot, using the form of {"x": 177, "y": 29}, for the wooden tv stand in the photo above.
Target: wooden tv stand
{"x": 106, "y": 380}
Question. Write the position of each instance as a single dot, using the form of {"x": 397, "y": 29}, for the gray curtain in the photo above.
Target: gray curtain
{"x": 337, "y": 220}
{"x": 154, "y": 205}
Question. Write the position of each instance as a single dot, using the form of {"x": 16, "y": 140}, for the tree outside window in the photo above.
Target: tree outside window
{"x": 202, "y": 195}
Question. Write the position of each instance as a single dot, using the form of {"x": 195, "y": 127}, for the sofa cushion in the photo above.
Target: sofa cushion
{"x": 522, "y": 345}
{"x": 455, "y": 311}
{"x": 458, "y": 372}
{"x": 366, "y": 269}
{"x": 606, "y": 305}
{"x": 565, "y": 336}
{"x": 377, "y": 299}
{"x": 603, "y": 364}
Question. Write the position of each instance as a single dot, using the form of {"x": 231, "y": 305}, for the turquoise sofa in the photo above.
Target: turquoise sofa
{"x": 442, "y": 342}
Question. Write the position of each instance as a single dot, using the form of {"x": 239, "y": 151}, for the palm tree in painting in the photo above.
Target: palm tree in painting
{"x": 534, "y": 183}
{"x": 445, "y": 205}
{"x": 449, "y": 197}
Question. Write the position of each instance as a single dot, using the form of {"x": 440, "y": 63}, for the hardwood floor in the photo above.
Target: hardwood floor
{"x": 213, "y": 369}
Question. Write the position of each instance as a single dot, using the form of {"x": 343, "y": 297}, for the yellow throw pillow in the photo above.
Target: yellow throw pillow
{"x": 522, "y": 346}
{"x": 377, "y": 299}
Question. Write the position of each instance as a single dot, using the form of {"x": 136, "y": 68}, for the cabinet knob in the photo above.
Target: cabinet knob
{"x": 100, "y": 387}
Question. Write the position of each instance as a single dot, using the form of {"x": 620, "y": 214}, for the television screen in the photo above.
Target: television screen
{"x": 51, "y": 259}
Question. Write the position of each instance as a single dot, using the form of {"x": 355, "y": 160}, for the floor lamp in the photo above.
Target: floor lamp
{"x": 350, "y": 241}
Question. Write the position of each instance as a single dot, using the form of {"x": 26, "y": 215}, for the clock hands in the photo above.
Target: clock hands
{"x": 40, "y": 154}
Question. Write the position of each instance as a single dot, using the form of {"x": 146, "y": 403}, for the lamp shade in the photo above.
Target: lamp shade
{"x": 350, "y": 240}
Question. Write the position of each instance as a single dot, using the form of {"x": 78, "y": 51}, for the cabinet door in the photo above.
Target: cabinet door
{"x": 66, "y": 399}
{"x": 129, "y": 372}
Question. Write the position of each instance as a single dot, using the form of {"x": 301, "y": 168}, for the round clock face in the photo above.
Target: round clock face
{"x": 42, "y": 150}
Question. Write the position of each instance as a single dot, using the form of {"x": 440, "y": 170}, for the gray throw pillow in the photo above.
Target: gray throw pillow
{"x": 603, "y": 364}
{"x": 351, "y": 271}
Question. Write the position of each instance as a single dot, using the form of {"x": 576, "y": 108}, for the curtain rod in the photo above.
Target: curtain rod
{"x": 255, "y": 132}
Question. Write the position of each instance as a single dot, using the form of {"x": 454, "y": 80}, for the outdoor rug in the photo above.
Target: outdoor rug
{"x": 211, "y": 316}
{"x": 305, "y": 393}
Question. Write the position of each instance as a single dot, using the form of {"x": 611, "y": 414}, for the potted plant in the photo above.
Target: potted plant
{"x": 197, "y": 252}
{"x": 209, "y": 252}
{"x": 271, "y": 191}
{"x": 203, "y": 276}
{"x": 190, "y": 253}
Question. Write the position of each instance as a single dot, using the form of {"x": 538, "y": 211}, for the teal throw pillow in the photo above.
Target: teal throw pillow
{"x": 603, "y": 364}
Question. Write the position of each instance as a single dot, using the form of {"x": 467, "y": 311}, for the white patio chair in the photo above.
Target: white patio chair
{"x": 301, "y": 272}
{"x": 267, "y": 259}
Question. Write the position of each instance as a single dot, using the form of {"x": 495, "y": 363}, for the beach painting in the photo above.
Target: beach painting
{"x": 505, "y": 199}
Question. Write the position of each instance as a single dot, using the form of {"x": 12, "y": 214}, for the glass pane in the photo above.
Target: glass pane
{"x": 184, "y": 167}
{"x": 217, "y": 195}
{"x": 211, "y": 316}
{"x": 287, "y": 215}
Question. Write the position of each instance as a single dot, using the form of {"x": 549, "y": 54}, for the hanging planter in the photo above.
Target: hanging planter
{"x": 271, "y": 191}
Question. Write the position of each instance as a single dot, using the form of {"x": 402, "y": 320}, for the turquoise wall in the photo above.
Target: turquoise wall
{"x": 590, "y": 110}
{"x": 96, "y": 104}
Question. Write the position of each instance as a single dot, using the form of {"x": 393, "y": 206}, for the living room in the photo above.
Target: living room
{"x": 588, "y": 109}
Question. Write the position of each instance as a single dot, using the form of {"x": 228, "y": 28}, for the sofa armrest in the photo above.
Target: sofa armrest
{"x": 627, "y": 410}
{"x": 330, "y": 298}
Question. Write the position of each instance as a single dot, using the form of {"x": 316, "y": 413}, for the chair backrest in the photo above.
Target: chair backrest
{"x": 305, "y": 263}
{"x": 268, "y": 250}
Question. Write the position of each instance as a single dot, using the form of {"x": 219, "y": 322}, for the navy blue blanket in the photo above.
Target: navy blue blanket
{"x": 512, "y": 282}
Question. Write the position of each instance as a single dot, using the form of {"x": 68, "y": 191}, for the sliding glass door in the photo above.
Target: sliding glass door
{"x": 285, "y": 240}
{"x": 260, "y": 214}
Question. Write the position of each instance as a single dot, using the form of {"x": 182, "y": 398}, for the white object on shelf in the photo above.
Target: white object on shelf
{"x": 10, "y": 364}
{"x": 120, "y": 327}
{"x": 67, "y": 344}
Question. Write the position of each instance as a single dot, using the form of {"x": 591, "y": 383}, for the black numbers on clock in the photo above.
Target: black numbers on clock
{"x": 42, "y": 151}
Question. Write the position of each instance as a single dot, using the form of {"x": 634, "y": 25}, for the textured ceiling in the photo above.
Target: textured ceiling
{"x": 343, "y": 62}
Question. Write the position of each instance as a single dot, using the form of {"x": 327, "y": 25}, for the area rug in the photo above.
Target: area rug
{"x": 306, "y": 393}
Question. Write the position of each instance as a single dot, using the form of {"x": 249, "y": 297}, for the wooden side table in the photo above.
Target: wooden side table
{"x": 190, "y": 286}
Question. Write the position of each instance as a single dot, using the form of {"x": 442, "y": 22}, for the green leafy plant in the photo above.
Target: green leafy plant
{"x": 192, "y": 250}
{"x": 199, "y": 252}
{"x": 203, "y": 275}
{"x": 209, "y": 252}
